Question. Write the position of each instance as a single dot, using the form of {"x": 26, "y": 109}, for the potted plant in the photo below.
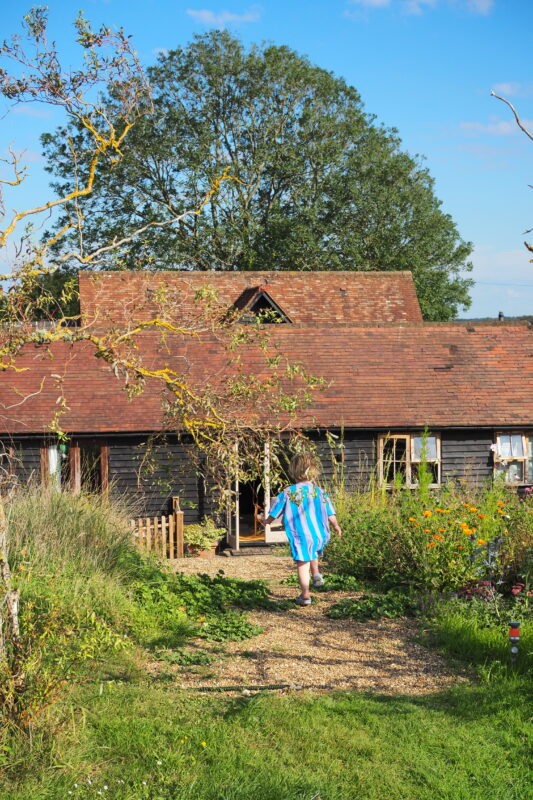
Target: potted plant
{"x": 201, "y": 539}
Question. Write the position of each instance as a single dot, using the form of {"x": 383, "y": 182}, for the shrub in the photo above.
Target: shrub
{"x": 454, "y": 538}
{"x": 202, "y": 535}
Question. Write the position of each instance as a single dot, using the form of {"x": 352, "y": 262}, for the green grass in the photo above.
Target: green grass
{"x": 469, "y": 743}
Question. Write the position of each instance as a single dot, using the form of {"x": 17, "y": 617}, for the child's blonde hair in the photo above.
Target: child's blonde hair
{"x": 303, "y": 467}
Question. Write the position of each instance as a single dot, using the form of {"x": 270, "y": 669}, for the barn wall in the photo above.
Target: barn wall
{"x": 467, "y": 455}
{"x": 151, "y": 472}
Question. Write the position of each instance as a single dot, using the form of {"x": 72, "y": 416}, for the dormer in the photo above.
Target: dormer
{"x": 257, "y": 305}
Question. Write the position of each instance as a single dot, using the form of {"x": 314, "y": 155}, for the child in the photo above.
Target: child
{"x": 307, "y": 515}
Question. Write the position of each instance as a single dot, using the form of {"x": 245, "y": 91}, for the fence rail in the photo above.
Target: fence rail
{"x": 162, "y": 536}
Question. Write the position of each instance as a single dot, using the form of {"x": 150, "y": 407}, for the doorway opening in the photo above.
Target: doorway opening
{"x": 251, "y": 506}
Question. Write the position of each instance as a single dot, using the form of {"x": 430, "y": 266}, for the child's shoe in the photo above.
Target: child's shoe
{"x": 302, "y": 601}
{"x": 318, "y": 580}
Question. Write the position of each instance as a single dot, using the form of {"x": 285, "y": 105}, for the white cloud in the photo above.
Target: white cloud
{"x": 417, "y": 7}
{"x": 221, "y": 18}
{"x": 482, "y": 7}
{"x": 504, "y": 282}
{"x": 371, "y": 3}
{"x": 30, "y": 110}
{"x": 513, "y": 89}
{"x": 495, "y": 127}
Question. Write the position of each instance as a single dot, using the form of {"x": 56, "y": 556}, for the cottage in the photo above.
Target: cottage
{"x": 388, "y": 376}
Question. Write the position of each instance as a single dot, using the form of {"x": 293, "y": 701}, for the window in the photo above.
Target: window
{"x": 263, "y": 309}
{"x": 513, "y": 457}
{"x": 400, "y": 457}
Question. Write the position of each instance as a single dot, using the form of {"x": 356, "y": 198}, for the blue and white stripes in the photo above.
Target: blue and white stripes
{"x": 306, "y": 509}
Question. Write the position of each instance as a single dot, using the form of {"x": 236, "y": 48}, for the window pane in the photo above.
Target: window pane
{"x": 530, "y": 459}
{"x": 512, "y": 472}
{"x": 432, "y": 468}
{"x": 431, "y": 447}
{"x": 504, "y": 449}
{"x": 394, "y": 459}
{"x": 517, "y": 446}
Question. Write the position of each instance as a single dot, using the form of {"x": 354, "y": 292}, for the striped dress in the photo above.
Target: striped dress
{"x": 306, "y": 509}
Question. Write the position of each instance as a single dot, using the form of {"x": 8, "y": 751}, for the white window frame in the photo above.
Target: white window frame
{"x": 527, "y": 437}
{"x": 410, "y": 457}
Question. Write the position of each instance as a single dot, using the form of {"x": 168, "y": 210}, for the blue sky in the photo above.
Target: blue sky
{"x": 425, "y": 67}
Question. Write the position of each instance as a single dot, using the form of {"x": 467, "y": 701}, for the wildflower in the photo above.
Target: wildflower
{"x": 467, "y": 531}
{"x": 204, "y": 744}
{"x": 106, "y": 788}
{"x": 442, "y": 530}
{"x": 439, "y": 510}
{"x": 431, "y": 544}
{"x": 159, "y": 763}
{"x": 466, "y": 505}
{"x": 481, "y": 516}
{"x": 459, "y": 546}
{"x": 427, "y": 513}
{"x": 500, "y": 512}
{"x": 412, "y": 519}
{"x": 481, "y": 542}
{"x": 472, "y": 509}
{"x": 500, "y": 503}
{"x": 182, "y": 741}
{"x": 427, "y": 530}
{"x": 437, "y": 536}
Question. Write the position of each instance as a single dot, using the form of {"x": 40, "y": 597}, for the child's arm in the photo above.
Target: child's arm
{"x": 335, "y": 525}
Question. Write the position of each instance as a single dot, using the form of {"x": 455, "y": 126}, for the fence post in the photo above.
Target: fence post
{"x": 178, "y": 519}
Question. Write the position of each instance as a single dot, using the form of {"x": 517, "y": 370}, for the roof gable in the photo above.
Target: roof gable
{"x": 305, "y": 298}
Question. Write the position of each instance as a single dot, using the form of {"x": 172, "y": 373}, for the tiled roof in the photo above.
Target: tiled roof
{"x": 377, "y": 376}
{"x": 308, "y": 298}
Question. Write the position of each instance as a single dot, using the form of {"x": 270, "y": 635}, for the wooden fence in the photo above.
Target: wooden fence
{"x": 162, "y": 536}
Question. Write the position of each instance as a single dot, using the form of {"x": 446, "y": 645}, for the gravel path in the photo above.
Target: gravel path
{"x": 302, "y": 647}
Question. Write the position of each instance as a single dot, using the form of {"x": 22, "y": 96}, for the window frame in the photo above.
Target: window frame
{"x": 410, "y": 457}
{"x": 527, "y": 437}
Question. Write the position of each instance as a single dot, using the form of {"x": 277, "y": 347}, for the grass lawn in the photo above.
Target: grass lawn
{"x": 143, "y": 741}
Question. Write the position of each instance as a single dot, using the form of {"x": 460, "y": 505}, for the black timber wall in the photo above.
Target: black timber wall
{"x": 466, "y": 455}
{"x": 346, "y": 456}
{"x": 152, "y": 471}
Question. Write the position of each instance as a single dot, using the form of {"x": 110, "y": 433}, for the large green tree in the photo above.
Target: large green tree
{"x": 316, "y": 183}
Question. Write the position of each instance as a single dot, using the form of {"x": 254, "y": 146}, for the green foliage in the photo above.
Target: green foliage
{"x": 318, "y": 183}
{"x": 475, "y": 631}
{"x": 149, "y": 743}
{"x": 389, "y": 605}
{"x": 458, "y": 535}
{"x": 230, "y": 626}
{"x": 202, "y": 535}
{"x": 332, "y": 583}
{"x": 85, "y": 595}
{"x": 185, "y": 658}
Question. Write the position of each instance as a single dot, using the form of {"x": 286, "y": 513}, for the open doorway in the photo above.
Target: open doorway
{"x": 251, "y": 505}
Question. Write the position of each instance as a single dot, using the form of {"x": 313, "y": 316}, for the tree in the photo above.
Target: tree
{"x": 217, "y": 413}
{"x": 318, "y": 183}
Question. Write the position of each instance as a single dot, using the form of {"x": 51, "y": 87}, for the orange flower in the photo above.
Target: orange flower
{"x": 467, "y": 531}
{"x": 431, "y": 544}
{"x": 427, "y": 513}
{"x": 481, "y": 516}
{"x": 437, "y": 536}
{"x": 472, "y": 509}
{"x": 481, "y": 541}
{"x": 500, "y": 503}
{"x": 459, "y": 546}
{"x": 427, "y": 530}
{"x": 412, "y": 519}
{"x": 499, "y": 510}
{"x": 466, "y": 505}
{"x": 439, "y": 510}
{"x": 442, "y": 530}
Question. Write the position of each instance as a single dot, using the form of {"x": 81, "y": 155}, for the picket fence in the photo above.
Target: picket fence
{"x": 162, "y": 536}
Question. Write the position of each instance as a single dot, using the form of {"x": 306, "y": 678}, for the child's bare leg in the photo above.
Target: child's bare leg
{"x": 314, "y": 567}
{"x": 303, "y": 577}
